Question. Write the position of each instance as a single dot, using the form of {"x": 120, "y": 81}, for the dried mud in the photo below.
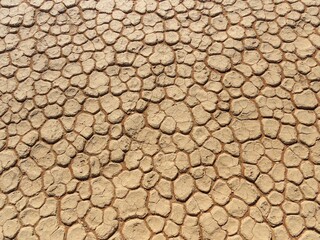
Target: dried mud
{"x": 174, "y": 119}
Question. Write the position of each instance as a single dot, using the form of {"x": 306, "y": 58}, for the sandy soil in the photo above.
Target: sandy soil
{"x": 144, "y": 119}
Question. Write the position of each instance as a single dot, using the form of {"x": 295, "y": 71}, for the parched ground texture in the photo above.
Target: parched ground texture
{"x": 146, "y": 119}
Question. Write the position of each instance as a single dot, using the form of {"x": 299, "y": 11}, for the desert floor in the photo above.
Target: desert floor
{"x": 145, "y": 119}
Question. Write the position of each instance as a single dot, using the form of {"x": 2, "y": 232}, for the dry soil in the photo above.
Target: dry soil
{"x": 174, "y": 119}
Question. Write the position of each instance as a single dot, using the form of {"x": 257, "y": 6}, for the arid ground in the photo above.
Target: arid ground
{"x": 172, "y": 119}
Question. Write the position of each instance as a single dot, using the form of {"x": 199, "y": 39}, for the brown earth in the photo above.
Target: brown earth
{"x": 146, "y": 119}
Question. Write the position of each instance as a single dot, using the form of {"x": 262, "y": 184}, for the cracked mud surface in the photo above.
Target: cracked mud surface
{"x": 141, "y": 120}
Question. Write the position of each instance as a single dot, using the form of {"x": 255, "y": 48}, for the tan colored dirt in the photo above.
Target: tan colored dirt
{"x": 154, "y": 120}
